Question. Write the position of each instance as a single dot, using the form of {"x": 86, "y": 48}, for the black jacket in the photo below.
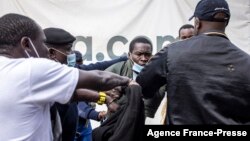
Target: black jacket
{"x": 207, "y": 81}
{"x": 127, "y": 123}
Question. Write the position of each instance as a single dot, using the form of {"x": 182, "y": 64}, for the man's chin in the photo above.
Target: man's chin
{"x": 142, "y": 64}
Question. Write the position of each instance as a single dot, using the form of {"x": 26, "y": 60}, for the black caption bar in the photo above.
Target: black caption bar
{"x": 160, "y": 132}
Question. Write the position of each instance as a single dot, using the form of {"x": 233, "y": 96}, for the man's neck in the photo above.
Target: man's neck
{"x": 7, "y": 52}
{"x": 6, "y": 55}
{"x": 211, "y": 30}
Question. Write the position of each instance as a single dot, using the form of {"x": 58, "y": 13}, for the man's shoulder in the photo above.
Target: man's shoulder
{"x": 42, "y": 63}
{"x": 185, "y": 41}
{"x": 43, "y": 66}
{"x": 115, "y": 68}
{"x": 41, "y": 60}
{"x": 34, "y": 63}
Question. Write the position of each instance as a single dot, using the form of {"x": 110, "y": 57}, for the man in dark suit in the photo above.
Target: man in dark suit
{"x": 60, "y": 44}
{"x": 206, "y": 75}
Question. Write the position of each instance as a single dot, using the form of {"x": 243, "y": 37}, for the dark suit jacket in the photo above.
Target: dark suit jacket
{"x": 127, "y": 123}
{"x": 69, "y": 112}
{"x": 207, "y": 79}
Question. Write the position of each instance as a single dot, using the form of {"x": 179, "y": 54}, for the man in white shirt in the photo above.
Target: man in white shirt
{"x": 28, "y": 87}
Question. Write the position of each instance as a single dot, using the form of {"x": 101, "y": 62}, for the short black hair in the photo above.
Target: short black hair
{"x": 139, "y": 39}
{"x": 185, "y": 26}
{"x": 14, "y": 26}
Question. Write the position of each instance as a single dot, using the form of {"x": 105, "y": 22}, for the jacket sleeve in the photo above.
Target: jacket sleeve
{"x": 154, "y": 75}
{"x": 102, "y": 65}
{"x": 86, "y": 111}
{"x": 151, "y": 105}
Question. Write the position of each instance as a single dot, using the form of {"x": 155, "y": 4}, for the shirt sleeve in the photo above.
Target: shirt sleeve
{"x": 51, "y": 81}
{"x": 154, "y": 75}
{"x": 102, "y": 65}
{"x": 87, "y": 112}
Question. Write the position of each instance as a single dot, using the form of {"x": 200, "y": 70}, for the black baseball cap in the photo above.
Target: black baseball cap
{"x": 207, "y": 9}
{"x": 57, "y": 36}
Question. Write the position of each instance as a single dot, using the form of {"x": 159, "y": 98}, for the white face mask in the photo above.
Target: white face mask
{"x": 71, "y": 60}
{"x": 137, "y": 68}
{"x": 37, "y": 55}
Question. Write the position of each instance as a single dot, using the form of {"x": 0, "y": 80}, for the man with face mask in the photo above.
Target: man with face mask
{"x": 140, "y": 51}
{"x": 207, "y": 76}
{"x": 59, "y": 43}
{"x": 30, "y": 85}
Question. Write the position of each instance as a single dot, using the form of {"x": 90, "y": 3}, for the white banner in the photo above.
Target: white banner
{"x": 104, "y": 28}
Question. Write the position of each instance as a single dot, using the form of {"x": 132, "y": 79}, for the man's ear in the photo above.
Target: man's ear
{"x": 52, "y": 54}
{"x": 129, "y": 54}
{"x": 197, "y": 23}
{"x": 25, "y": 44}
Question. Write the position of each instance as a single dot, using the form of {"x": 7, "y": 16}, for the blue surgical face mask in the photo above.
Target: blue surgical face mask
{"x": 137, "y": 68}
{"x": 71, "y": 60}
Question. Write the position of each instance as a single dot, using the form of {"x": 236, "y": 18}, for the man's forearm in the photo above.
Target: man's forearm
{"x": 111, "y": 80}
{"x": 100, "y": 80}
{"x": 94, "y": 96}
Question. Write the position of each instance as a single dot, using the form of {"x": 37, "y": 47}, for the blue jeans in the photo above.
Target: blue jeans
{"x": 84, "y": 131}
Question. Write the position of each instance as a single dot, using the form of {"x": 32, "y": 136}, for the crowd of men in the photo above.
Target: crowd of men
{"x": 46, "y": 89}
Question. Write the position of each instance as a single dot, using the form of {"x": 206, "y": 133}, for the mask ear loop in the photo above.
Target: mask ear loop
{"x": 27, "y": 53}
{"x": 59, "y": 51}
{"x": 34, "y": 48}
{"x": 49, "y": 53}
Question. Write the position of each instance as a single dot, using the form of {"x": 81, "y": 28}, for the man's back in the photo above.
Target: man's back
{"x": 207, "y": 82}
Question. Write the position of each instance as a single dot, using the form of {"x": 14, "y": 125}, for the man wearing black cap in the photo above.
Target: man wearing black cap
{"x": 30, "y": 84}
{"x": 205, "y": 75}
{"x": 60, "y": 44}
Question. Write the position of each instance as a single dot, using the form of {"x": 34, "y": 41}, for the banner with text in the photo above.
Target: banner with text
{"x": 104, "y": 29}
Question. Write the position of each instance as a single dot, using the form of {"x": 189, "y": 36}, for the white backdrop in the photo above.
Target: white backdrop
{"x": 104, "y": 28}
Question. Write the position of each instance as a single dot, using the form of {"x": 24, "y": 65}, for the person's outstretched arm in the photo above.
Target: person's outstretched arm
{"x": 94, "y": 96}
{"x": 86, "y": 111}
{"x": 101, "y": 65}
{"x": 100, "y": 80}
